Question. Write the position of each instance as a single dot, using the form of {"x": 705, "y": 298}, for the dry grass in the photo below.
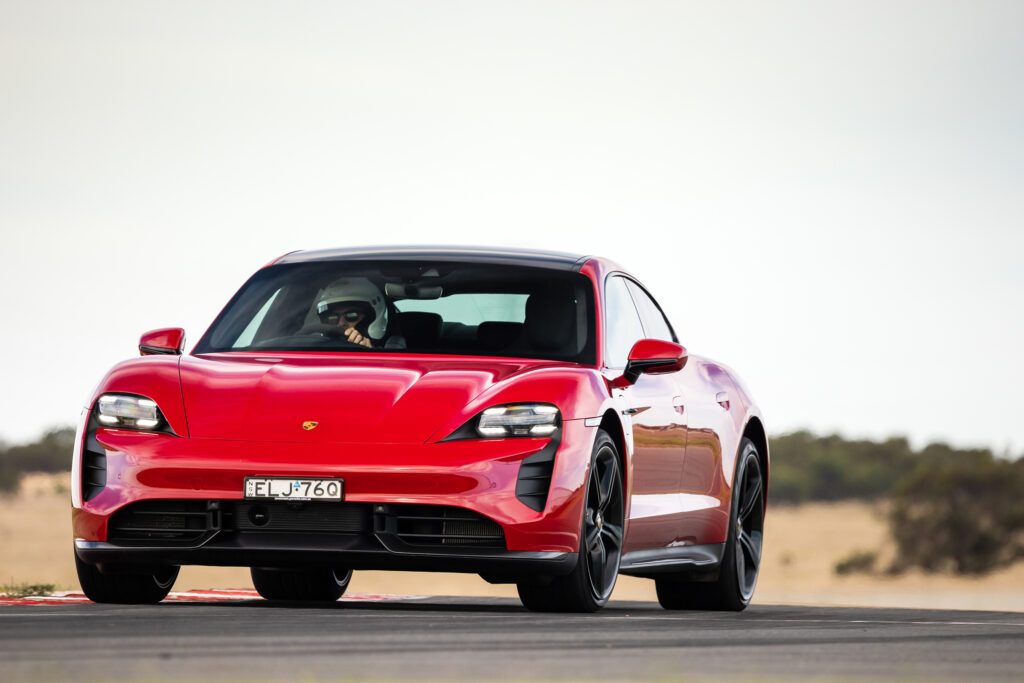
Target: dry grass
{"x": 21, "y": 590}
{"x": 803, "y": 544}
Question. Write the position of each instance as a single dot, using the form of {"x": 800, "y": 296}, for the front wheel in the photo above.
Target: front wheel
{"x": 314, "y": 585}
{"x": 125, "y": 588}
{"x": 737, "y": 575}
{"x": 589, "y": 586}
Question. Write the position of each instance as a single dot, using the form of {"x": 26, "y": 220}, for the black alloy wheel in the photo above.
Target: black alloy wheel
{"x": 310, "y": 585}
{"x": 749, "y": 526}
{"x": 603, "y": 523}
{"x": 733, "y": 589}
{"x": 589, "y": 586}
{"x": 125, "y": 588}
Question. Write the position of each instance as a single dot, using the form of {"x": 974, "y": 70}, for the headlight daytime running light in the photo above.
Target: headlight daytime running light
{"x": 521, "y": 419}
{"x": 128, "y": 412}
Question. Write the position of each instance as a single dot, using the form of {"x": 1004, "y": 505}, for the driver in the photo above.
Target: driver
{"x": 356, "y": 306}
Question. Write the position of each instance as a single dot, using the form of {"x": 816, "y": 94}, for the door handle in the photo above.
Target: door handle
{"x": 677, "y": 404}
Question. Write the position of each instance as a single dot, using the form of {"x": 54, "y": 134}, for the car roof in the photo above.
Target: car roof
{"x": 537, "y": 258}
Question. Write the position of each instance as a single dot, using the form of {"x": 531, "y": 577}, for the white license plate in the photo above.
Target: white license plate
{"x": 289, "y": 488}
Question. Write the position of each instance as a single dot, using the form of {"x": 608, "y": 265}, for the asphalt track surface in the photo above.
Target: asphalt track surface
{"x": 496, "y": 639}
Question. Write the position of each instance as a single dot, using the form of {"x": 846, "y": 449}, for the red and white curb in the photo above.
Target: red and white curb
{"x": 223, "y": 595}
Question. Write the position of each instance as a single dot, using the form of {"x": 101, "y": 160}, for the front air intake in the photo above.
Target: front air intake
{"x": 534, "y": 480}
{"x": 173, "y": 521}
{"x": 433, "y": 525}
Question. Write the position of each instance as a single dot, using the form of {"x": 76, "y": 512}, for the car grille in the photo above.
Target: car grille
{"x": 175, "y": 521}
{"x": 433, "y": 525}
{"x": 352, "y": 518}
{"x": 185, "y": 522}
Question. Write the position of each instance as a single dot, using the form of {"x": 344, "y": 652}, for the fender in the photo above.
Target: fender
{"x": 155, "y": 377}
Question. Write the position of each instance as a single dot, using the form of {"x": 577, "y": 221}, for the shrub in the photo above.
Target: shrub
{"x": 10, "y": 479}
{"x": 858, "y": 561}
{"x": 809, "y": 467}
{"x": 51, "y": 453}
{"x": 960, "y": 514}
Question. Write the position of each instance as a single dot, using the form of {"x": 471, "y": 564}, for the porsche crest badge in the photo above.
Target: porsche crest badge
{"x": 309, "y": 425}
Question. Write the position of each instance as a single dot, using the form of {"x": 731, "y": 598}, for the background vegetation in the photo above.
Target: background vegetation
{"x": 50, "y": 453}
{"x": 806, "y": 467}
{"x": 950, "y": 509}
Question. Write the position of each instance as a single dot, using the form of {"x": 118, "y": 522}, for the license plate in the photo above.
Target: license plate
{"x": 292, "y": 488}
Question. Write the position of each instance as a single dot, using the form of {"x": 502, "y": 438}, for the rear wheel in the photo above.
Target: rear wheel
{"x": 590, "y": 584}
{"x": 737, "y": 574}
{"x": 318, "y": 585}
{"x": 125, "y": 588}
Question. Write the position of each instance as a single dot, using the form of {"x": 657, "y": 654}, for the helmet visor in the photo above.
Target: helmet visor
{"x": 352, "y": 312}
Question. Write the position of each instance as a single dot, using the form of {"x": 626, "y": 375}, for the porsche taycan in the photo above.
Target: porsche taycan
{"x": 527, "y": 416}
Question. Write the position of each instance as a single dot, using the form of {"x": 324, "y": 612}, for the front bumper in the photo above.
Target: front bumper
{"x": 476, "y": 475}
{"x": 324, "y": 550}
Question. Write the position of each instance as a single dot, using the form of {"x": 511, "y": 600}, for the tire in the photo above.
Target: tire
{"x": 589, "y": 586}
{"x": 125, "y": 589}
{"x": 311, "y": 585}
{"x": 737, "y": 575}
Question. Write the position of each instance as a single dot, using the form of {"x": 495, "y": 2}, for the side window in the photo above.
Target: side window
{"x": 622, "y": 323}
{"x": 656, "y": 326}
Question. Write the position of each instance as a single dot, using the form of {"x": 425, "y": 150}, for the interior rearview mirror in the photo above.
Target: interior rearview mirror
{"x": 412, "y": 290}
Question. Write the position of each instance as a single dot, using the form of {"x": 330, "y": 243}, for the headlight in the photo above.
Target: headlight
{"x": 131, "y": 412}
{"x": 522, "y": 419}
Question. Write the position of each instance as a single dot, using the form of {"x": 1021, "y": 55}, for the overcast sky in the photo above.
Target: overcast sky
{"x": 828, "y": 197}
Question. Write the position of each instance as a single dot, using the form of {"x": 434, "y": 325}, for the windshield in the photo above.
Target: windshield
{"x": 466, "y": 309}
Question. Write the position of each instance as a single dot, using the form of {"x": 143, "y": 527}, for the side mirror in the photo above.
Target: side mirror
{"x": 652, "y": 357}
{"x": 169, "y": 340}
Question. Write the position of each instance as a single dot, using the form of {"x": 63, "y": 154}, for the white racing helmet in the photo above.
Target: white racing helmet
{"x": 357, "y": 290}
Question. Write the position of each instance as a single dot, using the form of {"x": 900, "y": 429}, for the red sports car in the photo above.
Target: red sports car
{"x": 529, "y": 416}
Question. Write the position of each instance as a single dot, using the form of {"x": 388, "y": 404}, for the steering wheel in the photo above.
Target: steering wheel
{"x": 329, "y": 332}
{"x": 332, "y": 331}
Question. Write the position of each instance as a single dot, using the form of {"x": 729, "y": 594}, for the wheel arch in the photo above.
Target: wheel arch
{"x": 612, "y": 425}
{"x": 754, "y": 431}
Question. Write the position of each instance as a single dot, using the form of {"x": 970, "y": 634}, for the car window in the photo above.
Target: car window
{"x": 656, "y": 325}
{"x": 457, "y": 308}
{"x": 622, "y": 323}
{"x": 245, "y": 339}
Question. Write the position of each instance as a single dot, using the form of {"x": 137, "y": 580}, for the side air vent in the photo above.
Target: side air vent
{"x": 433, "y": 525}
{"x": 535, "y": 478}
{"x": 94, "y": 463}
{"x": 176, "y": 521}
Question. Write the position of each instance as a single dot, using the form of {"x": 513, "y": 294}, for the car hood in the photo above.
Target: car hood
{"x": 321, "y": 398}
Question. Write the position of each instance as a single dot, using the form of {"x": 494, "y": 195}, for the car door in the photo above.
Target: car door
{"x": 659, "y": 431}
{"x": 704, "y": 387}
{"x": 705, "y": 487}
